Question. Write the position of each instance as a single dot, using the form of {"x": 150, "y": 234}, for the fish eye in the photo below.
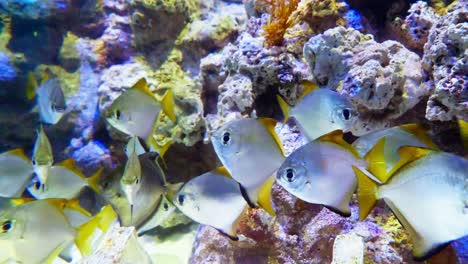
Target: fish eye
{"x": 166, "y": 206}
{"x": 346, "y": 113}
{"x": 37, "y": 185}
{"x": 6, "y": 226}
{"x": 226, "y": 138}
{"x": 117, "y": 114}
{"x": 290, "y": 173}
{"x": 181, "y": 199}
{"x": 34, "y": 162}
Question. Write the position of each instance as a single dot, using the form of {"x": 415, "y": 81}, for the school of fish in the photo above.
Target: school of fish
{"x": 426, "y": 188}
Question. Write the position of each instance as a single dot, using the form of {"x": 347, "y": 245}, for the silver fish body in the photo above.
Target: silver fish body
{"x": 321, "y": 173}
{"x": 51, "y": 101}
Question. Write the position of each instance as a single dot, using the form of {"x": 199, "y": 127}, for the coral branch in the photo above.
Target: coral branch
{"x": 279, "y": 22}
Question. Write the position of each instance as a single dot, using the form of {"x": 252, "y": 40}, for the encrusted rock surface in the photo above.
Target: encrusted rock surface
{"x": 383, "y": 80}
{"x": 445, "y": 61}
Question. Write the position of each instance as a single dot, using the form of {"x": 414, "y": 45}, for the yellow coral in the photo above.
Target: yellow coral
{"x": 441, "y": 6}
{"x": 280, "y": 11}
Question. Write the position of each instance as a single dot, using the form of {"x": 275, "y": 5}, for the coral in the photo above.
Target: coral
{"x": 150, "y": 20}
{"x": 321, "y": 15}
{"x": 414, "y": 29}
{"x": 445, "y": 59}
{"x": 211, "y": 33}
{"x": 45, "y": 9}
{"x": 442, "y": 6}
{"x": 269, "y": 70}
{"x": 279, "y": 22}
{"x": 68, "y": 55}
{"x": 383, "y": 80}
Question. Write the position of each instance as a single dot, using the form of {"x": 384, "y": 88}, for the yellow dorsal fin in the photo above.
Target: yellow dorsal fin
{"x": 93, "y": 181}
{"x": 284, "y": 107}
{"x": 75, "y": 205}
{"x": 19, "y": 152}
{"x": 377, "y": 164}
{"x": 103, "y": 220}
{"x": 222, "y": 171}
{"x": 367, "y": 193}
{"x": 46, "y": 75}
{"x": 463, "y": 125}
{"x": 31, "y": 86}
{"x": 419, "y": 132}
{"x": 264, "y": 196}
{"x": 57, "y": 203}
{"x": 408, "y": 154}
{"x": 70, "y": 164}
{"x": 168, "y": 105}
{"x": 308, "y": 88}
{"x": 142, "y": 86}
{"x": 336, "y": 137}
{"x": 20, "y": 201}
{"x": 270, "y": 124}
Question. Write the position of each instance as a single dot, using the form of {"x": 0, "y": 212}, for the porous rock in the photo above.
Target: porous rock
{"x": 445, "y": 61}
{"x": 383, "y": 80}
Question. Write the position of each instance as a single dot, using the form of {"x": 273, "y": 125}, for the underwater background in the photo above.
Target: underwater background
{"x": 397, "y": 61}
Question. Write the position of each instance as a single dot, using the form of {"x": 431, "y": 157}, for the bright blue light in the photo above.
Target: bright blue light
{"x": 354, "y": 19}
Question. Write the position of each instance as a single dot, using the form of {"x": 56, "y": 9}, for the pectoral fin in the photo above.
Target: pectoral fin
{"x": 264, "y": 196}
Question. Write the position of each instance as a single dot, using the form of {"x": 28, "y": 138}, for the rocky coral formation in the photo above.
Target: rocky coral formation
{"x": 445, "y": 61}
{"x": 414, "y": 29}
{"x": 383, "y": 80}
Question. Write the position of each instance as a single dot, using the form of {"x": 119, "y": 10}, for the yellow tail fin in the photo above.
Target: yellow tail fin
{"x": 151, "y": 141}
{"x": 419, "y": 132}
{"x": 93, "y": 181}
{"x": 264, "y": 196}
{"x": 142, "y": 86}
{"x": 408, "y": 154}
{"x": 377, "y": 165}
{"x": 367, "y": 193}
{"x": 87, "y": 232}
{"x": 284, "y": 107}
{"x": 168, "y": 105}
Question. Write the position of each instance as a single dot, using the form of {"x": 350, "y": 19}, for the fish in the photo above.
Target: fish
{"x": 131, "y": 179}
{"x": 34, "y": 232}
{"x": 50, "y": 98}
{"x": 136, "y": 110}
{"x": 320, "y": 111}
{"x": 395, "y": 137}
{"x": 251, "y": 152}
{"x": 426, "y": 190}
{"x": 73, "y": 211}
{"x": 320, "y": 172}
{"x": 164, "y": 211}
{"x": 135, "y": 145}
{"x": 8, "y": 203}
{"x": 42, "y": 158}
{"x": 15, "y": 172}
{"x": 147, "y": 198}
{"x": 65, "y": 181}
{"x": 90, "y": 234}
{"x": 204, "y": 197}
